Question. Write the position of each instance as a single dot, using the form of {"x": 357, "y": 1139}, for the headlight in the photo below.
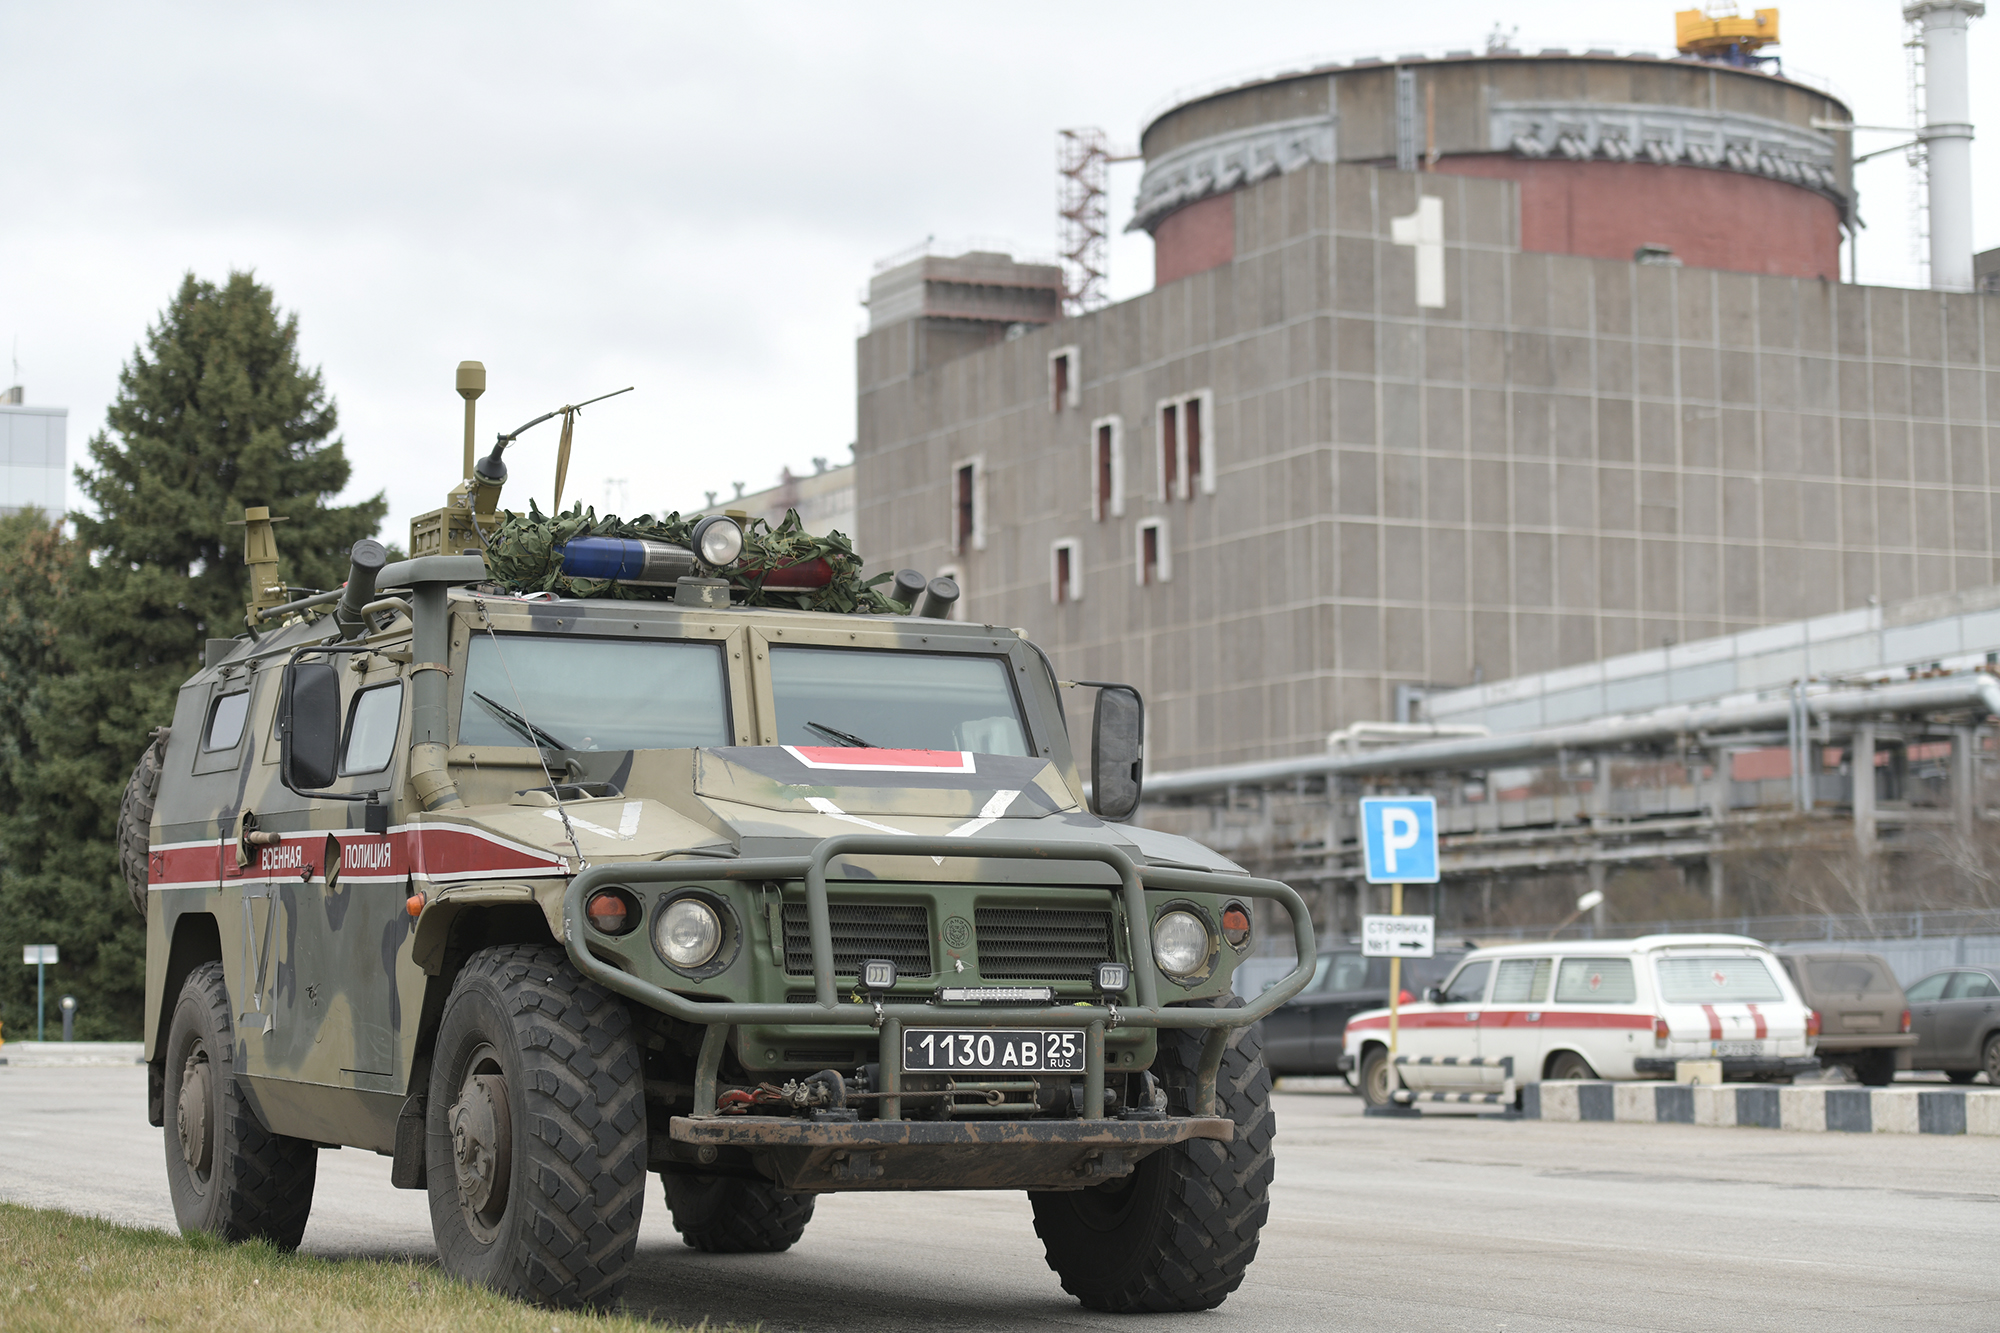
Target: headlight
{"x": 718, "y": 540}
{"x": 1180, "y": 943}
{"x": 688, "y": 932}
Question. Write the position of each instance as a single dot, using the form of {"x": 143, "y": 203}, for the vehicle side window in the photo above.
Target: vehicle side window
{"x": 1596, "y": 981}
{"x": 1930, "y": 988}
{"x": 1323, "y": 966}
{"x": 1349, "y": 972}
{"x": 372, "y": 723}
{"x": 1469, "y": 985}
{"x": 225, "y": 721}
{"x": 1523, "y": 980}
{"x": 1970, "y": 986}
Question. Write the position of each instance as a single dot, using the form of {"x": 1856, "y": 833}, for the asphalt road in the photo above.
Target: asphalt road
{"x": 1450, "y": 1222}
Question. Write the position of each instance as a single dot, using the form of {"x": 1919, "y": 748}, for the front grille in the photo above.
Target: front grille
{"x": 862, "y": 931}
{"x": 1041, "y": 943}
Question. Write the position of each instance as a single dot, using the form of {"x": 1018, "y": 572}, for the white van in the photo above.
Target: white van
{"x": 1616, "y": 1009}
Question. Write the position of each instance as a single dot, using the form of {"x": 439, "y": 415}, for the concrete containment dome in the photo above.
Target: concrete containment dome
{"x": 1720, "y": 166}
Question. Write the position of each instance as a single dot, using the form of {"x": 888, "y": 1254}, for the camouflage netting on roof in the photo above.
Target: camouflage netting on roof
{"x": 526, "y": 555}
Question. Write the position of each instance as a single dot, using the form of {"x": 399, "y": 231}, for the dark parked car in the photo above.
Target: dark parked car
{"x": 1956, "y": 1014}
{"x": 1864, "y": 1018}
{"x": 1303, "y": 1036}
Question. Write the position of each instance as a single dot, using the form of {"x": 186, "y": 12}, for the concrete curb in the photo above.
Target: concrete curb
{"x": 1769, "y": 1106}
{"x": 71, "y": 1054}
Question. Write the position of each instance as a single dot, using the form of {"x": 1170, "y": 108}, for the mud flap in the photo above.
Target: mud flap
{"x": 406, "y": 1170}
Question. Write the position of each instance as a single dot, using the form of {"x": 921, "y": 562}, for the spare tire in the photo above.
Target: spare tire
{"x": 135, "y": 816}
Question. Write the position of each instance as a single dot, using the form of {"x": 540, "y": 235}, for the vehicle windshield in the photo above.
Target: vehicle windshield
{"x": 1718, "y": 980}
{"x": 895, "y": 700}
{"x": 593, "y": 694}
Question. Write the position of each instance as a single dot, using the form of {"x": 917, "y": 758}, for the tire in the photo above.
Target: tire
{"x": 1990, "y": 1059}
{"x": 1570, "y": 1065}
{"x": 1961, "y": 1075}
{"x": 1179, "y": 1232}
{"x": 228, "y": 1175}
{"x": 727, "y": 1215}
{"x": 1378, "y": 1082}
{"x": 135, "y": 817}
{"x": 1875, "y": 1069}
{"x": 536, "y": 1076}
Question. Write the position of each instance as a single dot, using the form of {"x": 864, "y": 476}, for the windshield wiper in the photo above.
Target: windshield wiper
{"x": 534, "y": 734}
{"x": 844, "y": 737}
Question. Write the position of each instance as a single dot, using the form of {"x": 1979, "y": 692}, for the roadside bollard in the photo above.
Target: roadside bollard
{"x": 69, "y": 1016}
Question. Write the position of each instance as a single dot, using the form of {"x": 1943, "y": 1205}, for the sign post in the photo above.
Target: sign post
{"x": 1399, "y": 846}
{"x": 38, "y": 956}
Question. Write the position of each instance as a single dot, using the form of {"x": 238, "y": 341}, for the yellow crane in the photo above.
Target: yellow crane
{"x": 1718, "y": 31}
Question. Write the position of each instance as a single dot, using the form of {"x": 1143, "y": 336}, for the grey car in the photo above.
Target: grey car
{"x": 1304, "y": 1035}
{"x": 1956, "y": 1015}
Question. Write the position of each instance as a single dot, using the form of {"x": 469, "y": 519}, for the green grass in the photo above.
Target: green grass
{"x": 60, "y": 1272}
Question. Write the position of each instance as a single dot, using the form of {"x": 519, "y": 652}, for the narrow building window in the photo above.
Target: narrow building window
{"x": 1107, "y": 468}
{"x": 1064, "y": 382}
{"x": 1065, "y": 572}
{"x": 1191, "y": 431}
{"x": 1155, "y": 561}
{"x": 1187, "y": 446}
{"x": 968, "y": 507}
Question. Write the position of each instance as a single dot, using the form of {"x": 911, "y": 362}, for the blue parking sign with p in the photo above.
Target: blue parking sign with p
{"x": 1399, "y": 839}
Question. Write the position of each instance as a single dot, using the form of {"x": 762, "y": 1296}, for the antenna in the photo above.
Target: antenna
{"x": 1083, "y": 162}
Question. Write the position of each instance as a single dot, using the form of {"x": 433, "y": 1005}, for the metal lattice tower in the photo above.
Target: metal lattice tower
{"x": 1082, "y": 173}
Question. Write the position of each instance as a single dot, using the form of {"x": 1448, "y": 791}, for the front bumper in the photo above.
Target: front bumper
{"x": 1735, "y": 1069}
{"x": 816, "y": 1157}
{"x": 888, "y": 1018}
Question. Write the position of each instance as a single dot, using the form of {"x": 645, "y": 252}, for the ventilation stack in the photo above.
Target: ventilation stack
{"x": 1947, "y": 136}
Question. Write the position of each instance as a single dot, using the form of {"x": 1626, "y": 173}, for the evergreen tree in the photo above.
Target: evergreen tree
{"x": 214, "y": 413}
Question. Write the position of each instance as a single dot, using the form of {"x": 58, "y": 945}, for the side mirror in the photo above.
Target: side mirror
{"x": 1434, "y": 995}
{"x": 309, "y": 726}
{"x": 1117, "y": 736}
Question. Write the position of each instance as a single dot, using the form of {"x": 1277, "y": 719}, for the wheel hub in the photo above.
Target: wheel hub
{"x": 191, "y": 1115}
{"x": 482, "y": 1145}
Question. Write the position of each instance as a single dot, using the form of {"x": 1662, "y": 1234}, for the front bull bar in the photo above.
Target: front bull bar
{"x": 1133, "y": 882}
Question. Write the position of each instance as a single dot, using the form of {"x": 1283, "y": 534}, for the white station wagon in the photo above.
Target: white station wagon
{"x": 1615, "y": 1009}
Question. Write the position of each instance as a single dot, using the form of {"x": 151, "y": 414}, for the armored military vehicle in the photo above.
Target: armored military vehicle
{"x": 541, "y": 895}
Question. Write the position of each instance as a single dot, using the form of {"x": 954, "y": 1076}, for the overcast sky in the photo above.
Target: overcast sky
{"x": 688, "y": 198}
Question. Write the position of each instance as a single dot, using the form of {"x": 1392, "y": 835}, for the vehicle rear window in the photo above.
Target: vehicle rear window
{"x": 593, "y": 694}
{"x": 1469, "y": 986}
{"x": 895, "y": 700}
{"x": 1523, "y": 980}
{"x": 1596, "y": 981}
{"x": 1700, "y": 980}
{"x": 1848, "y": 976}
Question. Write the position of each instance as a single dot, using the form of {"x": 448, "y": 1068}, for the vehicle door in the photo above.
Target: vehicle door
{"x": 1963, "y": 1015}
{"x": 1591, "y": 1012}
{"x": 1512, "y": 1022}
{"x": 1926, "y": 1000}
{"x": 347, "y": 993}
{"x": 1353, "y": 983}
{"x": 1441, "y": 1039}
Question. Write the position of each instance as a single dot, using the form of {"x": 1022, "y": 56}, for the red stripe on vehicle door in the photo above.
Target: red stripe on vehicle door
{"x": 1763, "y": 1028}
{"x": 1714, "y": 1022}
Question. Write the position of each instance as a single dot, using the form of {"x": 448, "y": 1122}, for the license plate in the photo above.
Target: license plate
{"x": 991, "y": 1051}
{"x": 1735, "y": 1048}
